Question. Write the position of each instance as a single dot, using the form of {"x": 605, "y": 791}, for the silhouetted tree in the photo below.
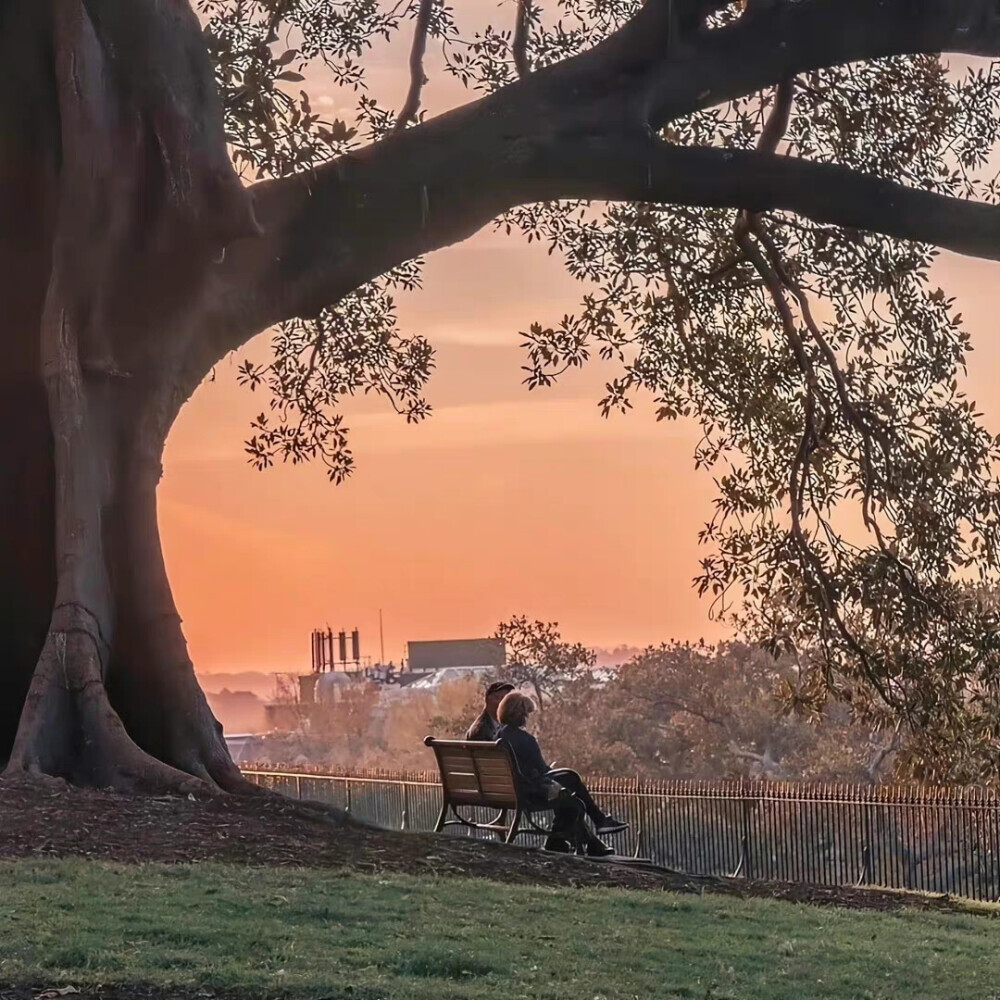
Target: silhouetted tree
{"x": 539, "y": 659}
{"x": 698, "y": 711}
{"x": 726, "y": 167}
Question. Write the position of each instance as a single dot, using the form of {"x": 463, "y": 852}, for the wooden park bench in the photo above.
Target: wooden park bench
{"x": 483, "y": 774}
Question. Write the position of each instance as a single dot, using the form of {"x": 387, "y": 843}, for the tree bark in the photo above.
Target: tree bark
{"x": 117, "y": 194}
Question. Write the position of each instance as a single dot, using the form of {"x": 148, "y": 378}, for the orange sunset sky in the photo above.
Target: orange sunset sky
{"x": 503, "y": 502}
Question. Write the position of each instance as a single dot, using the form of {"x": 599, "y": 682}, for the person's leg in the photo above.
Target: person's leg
{"x": 603, "y": 822}
{"x": 574, "y": 783}
{"x": 568, "y": 829}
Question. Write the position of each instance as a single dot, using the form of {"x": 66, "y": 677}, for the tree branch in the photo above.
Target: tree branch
{"x": 522, "y": 30}
{"x": 417, "y": 79}
{"x": 873, "y": 766}
{"x": 790, "y": 37}
{"x": 577, "y": 130}
{"x": 616, "y": 169}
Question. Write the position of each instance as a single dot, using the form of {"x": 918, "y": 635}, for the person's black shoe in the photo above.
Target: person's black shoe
{"x": 558, "y": 845}
{"x": 595, "y": 849}
{"x": 610, "y": 825}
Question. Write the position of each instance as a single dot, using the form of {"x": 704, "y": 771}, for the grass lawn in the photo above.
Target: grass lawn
{"x": 312, "y": 933}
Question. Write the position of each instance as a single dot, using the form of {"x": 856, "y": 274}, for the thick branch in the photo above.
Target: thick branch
{"x": 607, "y": 169}
{"x": 392, "y": 204}
{"x": 790, "y": 37}
{"x": 574, "y": 131}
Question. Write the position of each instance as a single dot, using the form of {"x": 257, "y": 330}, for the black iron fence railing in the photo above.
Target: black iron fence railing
{"x": 932, "y": 839}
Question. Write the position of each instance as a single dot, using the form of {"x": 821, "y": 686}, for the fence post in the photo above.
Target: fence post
{"x": 406, "y": 807}
{"x": 298, "y": 786}
{"x": 866, "y": 876}
{"x": 743, "y": 868}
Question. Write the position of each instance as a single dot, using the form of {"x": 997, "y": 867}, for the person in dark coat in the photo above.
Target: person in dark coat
{"x": 561, "y": 790}
{"x": 486, "y": 728}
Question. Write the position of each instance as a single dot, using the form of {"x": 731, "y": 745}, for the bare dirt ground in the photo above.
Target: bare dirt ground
{"x": 54, "y": 820}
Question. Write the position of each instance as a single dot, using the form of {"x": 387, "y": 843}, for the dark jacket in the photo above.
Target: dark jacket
{"x": 530, "y": 761}
{"x": 485, "y": 729}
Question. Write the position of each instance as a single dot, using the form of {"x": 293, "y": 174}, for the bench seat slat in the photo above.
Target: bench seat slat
{"x": 498, "y": 786}
{"x": 458, "y": 762}
{"x": 453, "y": 785}
{"x": 496, "y": 779}
{"x": 489, "y": 765}
{"x": 492, "y": 801}
{"x": 467, "y": 781}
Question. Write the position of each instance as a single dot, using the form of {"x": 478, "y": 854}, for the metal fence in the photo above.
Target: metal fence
{"x": 937, "y": 840}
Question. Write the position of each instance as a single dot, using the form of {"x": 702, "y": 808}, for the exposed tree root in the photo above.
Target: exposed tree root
{"x": 68, "y": 727}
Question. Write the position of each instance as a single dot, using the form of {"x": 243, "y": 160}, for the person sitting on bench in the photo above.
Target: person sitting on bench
{"x": 486, "y": 727}
{"x": 562, "y": 789}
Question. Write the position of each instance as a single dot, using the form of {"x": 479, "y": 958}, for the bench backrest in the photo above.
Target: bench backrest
{"x": 476, "y": 773}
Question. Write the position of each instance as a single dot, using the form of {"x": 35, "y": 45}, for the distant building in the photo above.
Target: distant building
{"x": 283, "y": 718}
{"x": 240, "y": 746}
{"x": 440, "y": 654}
{"x": 446, "y": 675}
{"x": 429, "y": 664}
{"x": 330, "y": 687}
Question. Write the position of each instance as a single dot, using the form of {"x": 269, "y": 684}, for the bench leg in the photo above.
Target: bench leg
{"x": 502, "y": 820}
{"x": 514, "y": 825}
{"x": 439, "y": 825}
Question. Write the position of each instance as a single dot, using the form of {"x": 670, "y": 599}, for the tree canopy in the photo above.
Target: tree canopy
{"x": 540, "y": 659}
{"x": 767, "y": 272}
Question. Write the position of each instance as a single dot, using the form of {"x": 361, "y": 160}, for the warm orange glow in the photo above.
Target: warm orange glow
{"x": 504, "y": 502}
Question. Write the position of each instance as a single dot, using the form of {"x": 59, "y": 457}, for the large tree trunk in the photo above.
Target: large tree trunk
{"x": 113, "y": 700}
{"x": 116, "y": 195}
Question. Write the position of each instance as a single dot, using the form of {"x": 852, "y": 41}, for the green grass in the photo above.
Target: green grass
{"x": 311, "y": 933}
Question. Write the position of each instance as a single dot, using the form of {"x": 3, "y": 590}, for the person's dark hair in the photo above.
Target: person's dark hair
{"x": 497, "y": 686}
{"x": 515, "y": 709}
